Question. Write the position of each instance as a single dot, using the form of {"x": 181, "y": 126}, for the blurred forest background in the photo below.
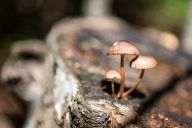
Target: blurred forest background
{"x": 24, "y": 19}
{"x": 21, "y": 19}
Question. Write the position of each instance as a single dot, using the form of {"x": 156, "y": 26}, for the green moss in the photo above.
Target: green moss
{"x": 175, "y": 9}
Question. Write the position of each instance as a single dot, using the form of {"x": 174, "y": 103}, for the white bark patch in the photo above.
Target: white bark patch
{"x": 66, "y": 86}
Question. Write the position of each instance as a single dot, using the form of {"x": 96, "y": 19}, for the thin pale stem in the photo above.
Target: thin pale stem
{"x": 135, "y": 85}
{"x": 122, "y": 70}
{"x": 133, "y": 60}
{"x": 113, "y": 89}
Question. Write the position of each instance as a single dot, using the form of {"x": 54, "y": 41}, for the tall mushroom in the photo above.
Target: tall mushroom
{"x": 112, "y": 75}
{"x": 142, "y": 62}
{"x": 122, "y": 48}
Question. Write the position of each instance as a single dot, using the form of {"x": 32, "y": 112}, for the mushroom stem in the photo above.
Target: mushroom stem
{"x": 133, "y": 60}
{"x": 122, "y": 70}
{"x": 113, "y": 89}
{"x": 134, "y": 86}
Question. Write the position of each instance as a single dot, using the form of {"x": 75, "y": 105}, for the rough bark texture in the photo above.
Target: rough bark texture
{"x": 82, "y": 44}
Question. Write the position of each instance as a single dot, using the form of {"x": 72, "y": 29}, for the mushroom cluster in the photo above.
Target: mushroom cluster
{"x": 123, "y": 48}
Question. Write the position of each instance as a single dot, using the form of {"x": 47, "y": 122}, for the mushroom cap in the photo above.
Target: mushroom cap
{"x": 112, "y": 74}
{"x": 144, "y": 62}
{"x": 122, "y": 47}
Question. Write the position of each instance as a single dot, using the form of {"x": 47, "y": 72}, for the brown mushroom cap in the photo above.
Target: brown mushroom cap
{"x": 112, "y": 74}
{"x": 144, "y": 62}
{"x": 122, "y": 47}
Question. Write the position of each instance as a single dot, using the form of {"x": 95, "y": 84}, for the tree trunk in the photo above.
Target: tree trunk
{"x": 96, "y": 7}
{"x": 187, "y": 38}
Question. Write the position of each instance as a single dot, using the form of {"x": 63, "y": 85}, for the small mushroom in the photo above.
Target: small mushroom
{"x": 122, "y": 48}
{"x": 112, "y": 75}
{"x": 142, "y": 62}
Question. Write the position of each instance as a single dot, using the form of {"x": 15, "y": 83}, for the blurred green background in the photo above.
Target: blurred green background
{"x": 163, "y": 14}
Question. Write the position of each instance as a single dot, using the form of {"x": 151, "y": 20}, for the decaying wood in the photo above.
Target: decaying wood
{"x": 77, "y": 95}
{"x": 82, "y": 43}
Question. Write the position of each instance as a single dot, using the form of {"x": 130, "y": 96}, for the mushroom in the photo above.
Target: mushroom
{"x": 122, "y": 48}
{"x": 112, "y": 75}
{"x": 142, "y": 62}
